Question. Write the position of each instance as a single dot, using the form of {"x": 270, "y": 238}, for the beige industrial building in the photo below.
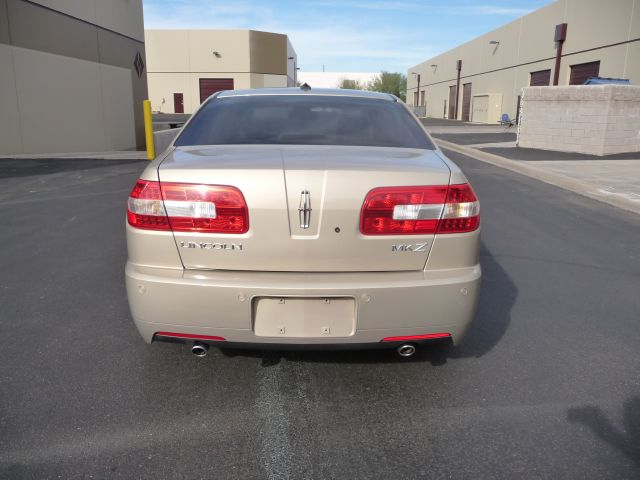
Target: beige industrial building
{"x": 563, "y": 43}
{"x": 187, "y": 66}
{"x": 72, "y": 76}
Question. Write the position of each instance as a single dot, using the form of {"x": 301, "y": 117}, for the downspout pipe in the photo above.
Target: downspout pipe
{"x": 459, "y": 68}
{"x": 560, "y": 37}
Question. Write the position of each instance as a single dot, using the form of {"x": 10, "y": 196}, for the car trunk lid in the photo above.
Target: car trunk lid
{"x": 304, "y": 206}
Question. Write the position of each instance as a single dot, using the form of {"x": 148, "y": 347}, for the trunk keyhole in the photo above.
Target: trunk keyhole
{"x": 337, "y": 230}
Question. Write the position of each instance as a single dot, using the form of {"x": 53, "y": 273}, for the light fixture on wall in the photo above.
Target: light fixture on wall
{"x": 216, "y": 54}
{"x": 435, "y": 67}
{"x": 494, "y": 42}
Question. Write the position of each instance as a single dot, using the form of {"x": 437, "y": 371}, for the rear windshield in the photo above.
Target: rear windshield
{"x": 304, "y": 120}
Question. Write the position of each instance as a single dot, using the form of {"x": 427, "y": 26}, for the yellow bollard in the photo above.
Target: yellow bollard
{"x": 148, "y": 129}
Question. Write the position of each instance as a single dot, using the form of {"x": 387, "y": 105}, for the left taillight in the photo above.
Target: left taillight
{"x": 187, "y": 207}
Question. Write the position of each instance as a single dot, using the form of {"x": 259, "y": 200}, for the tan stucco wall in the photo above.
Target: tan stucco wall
{"x": 527, "y": 45}
{"x": 177, "y": 59}
{"x": 192, "y": 51}
{"x": 10, "y": 130}
{"x": 268, "y": 53}
{"x": 292, "y": 65}
{"x": 67, "y": 84}
{"x": 75, "y": 116}
{"x": 122, "y": 16}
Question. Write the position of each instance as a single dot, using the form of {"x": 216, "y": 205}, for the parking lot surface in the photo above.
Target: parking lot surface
{"x": 547, "y": 384}
{"x": 477, "y": 138}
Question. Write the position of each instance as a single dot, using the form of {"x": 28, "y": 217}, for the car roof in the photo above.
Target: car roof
{"x": 335, "y": 92}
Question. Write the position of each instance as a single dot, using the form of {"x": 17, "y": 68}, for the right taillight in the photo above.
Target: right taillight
{"x": 144, "y": 207}
{"x": 187, "y": 207}
{"x": 420, "y": 210}
{"x": 461, "y": 211}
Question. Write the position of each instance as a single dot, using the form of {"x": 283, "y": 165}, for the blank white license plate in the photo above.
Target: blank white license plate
{"x": 304, "y": 317}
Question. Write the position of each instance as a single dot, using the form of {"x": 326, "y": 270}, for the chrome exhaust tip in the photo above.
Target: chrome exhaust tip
{"x": 200, "y": 349}
{"x": 406, "y": 350}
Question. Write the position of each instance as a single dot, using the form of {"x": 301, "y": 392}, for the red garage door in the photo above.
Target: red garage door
{"x": 540, "y": 78}
{"x": 580, "y": 73}
{"x": 466, "y": 102}
{"x": 453, "y": 93}
{"x": 209, "y": 86}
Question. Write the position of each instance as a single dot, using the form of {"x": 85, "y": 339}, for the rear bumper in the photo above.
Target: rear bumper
{"x": 221, "y": 304}
{"x": 302, "y": 346}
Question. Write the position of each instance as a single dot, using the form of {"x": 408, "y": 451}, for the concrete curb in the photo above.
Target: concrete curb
{"x": 582, "y": 188}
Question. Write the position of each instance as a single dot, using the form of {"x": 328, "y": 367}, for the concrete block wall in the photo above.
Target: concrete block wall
{"x": 592, "y": 119}
{"x": 163, "y": 138}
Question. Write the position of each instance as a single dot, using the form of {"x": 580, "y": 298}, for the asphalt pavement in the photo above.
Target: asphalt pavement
{"x": 547, "y": 384}
{"x": 477, "y": 138}
{"x": 536, "y": 154}
{"x": 441, "y": 122}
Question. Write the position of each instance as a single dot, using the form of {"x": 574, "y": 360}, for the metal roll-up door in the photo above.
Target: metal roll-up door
{"x": 209, "y": 86}
{"x": 480, "y": 109}
{"x": 580, "y": 73}
{"x": 466, "y": 102}
{"x": 452, "y": 101}
{"x": 540, "y": 78}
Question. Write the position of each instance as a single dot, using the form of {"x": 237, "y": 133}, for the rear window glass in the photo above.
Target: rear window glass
{"x": 304, "y": 120}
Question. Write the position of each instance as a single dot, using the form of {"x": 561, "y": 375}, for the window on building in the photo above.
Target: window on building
{"x": 541, "y": 78}
{"x": 583, "y": 71}
{"x": 415, "y": 99}
{"x": 422, "y": 98}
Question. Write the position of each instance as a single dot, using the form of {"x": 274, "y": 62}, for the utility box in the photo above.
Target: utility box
{"x": 486, "y": 108}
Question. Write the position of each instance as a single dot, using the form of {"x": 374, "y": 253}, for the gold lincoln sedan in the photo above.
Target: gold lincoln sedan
{"x": 301, "y": 218}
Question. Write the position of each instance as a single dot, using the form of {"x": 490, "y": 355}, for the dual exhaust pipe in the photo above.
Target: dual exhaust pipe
{"x": 201, "y": 350}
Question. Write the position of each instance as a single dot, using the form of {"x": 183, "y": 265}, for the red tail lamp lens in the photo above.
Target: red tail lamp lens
{"x": 421, "y": 210}
{"x": 186, "y": 207}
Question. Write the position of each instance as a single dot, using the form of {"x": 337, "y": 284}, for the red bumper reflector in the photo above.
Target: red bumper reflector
{"x": 408, "y": 338}
{"x": 191, "y": 336}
